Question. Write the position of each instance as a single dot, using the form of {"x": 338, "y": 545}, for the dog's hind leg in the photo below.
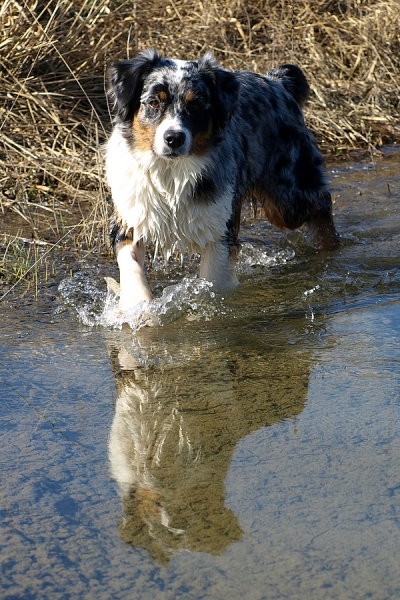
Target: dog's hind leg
{"x": 322, "y": 231}
{"x": 319, "y": 225}
{"x": 313, "y": 211}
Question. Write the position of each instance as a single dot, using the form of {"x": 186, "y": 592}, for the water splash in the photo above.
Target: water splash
{"x": 191, "y": 298}
{"x": 85, "y": 294}
{"x": 253, "y": 256}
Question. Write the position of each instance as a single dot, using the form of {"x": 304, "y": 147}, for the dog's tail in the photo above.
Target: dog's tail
{"x": 293, "y": 80}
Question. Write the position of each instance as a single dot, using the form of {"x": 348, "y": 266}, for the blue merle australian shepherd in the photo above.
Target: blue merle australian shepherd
{"x": 191, "y": 141}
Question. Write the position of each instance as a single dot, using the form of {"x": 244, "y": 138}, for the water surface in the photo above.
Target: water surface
{"x": 248, "y": 447}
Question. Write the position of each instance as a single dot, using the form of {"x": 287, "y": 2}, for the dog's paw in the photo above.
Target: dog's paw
{"x": 113, "y": 286}
{"x": 136, "y": 313}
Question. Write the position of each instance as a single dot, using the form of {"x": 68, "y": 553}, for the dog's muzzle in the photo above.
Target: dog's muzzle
{"x": 174, "y": 138}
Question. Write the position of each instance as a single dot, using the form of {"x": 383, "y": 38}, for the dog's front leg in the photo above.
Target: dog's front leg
{"x": 218, "y": 265}
{"x": 133, "y": 283}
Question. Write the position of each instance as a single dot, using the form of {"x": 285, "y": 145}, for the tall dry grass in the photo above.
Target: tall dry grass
{"x": 54, "y": 117}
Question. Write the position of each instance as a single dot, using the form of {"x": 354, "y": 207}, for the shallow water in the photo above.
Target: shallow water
{"x": 248, "y": 447}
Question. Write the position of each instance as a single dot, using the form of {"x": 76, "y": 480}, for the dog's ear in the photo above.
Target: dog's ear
{"x": 125, "y": 82}
{"x": 224, "y": 87}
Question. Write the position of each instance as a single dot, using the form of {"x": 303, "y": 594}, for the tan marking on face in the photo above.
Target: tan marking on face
{"x": 162, "y": 96}
{"x": 202, "y": 141}
{"x": 143, "y": 135}
{"x": 189, "y": 96}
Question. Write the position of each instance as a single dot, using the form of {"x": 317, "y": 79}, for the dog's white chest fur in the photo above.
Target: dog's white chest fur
{"x": 154, "y": 196}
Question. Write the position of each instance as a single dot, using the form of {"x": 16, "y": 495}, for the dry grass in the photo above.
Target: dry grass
{"x": 53, "y": 114}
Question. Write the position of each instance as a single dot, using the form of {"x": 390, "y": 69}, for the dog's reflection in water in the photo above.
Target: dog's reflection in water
{"x": 177, "y": 421}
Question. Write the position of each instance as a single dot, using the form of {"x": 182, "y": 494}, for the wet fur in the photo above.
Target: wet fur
{"x": 192, "y": 140}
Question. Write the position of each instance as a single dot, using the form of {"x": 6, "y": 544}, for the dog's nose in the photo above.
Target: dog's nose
{"x": 174, "y": 138}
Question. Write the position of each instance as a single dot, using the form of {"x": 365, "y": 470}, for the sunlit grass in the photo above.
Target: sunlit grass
{"x": 54, "y": 117}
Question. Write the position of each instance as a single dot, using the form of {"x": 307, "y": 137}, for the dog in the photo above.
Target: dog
{"x": 191, "y": 141}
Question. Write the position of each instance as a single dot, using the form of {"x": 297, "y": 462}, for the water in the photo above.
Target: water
{"x": 247, "y": 447}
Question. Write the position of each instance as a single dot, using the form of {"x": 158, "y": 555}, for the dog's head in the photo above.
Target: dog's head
{"x": 173, "y": 108}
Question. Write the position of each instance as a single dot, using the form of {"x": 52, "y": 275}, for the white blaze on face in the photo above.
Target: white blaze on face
{"x": 172, "y": 125}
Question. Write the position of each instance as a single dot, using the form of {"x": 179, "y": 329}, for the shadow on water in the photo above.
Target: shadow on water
{"x": 252, "y": 449}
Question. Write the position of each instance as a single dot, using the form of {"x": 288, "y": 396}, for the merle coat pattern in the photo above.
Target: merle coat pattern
{"x": 191, "y": 141}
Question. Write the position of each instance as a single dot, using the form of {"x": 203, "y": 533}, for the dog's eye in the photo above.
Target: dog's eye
{"x": 154, "y": 103}
{"x": 198, "y": 103}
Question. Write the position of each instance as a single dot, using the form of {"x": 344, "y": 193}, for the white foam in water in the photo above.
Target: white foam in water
{"x": 191, "y": 298}
{"x": 311, "y": 291}
{"x": 252, "y": 256}
{"x": 85, "y": 294}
